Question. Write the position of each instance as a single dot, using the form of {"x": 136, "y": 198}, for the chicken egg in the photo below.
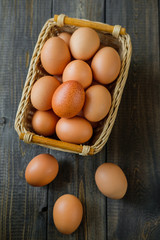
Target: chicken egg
{"x": 41, "y": 170}
{"x": 68, "y": 99}
{"x": 84, "y": 43}
{"x": 42, "y": 92}
{"x": 66, "y": 37}
{"x": 67, "y": 213}
{"x": 55, "y": 55}
{"x": 44, "y": 122}
{"x": 111, "y": 180}
{"x": 97, "y": 103}
{"x": 79, "y": 71}
{"x": 106, "y": 65}
{"x": 74, "y": 130}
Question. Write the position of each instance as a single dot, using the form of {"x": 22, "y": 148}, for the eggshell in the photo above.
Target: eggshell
{"x": 97, "y": 103}
{"x": 67, "y": 213}
{"x": 44, "y": 122}
{"x": 68, "y": 99}
{"x": 79, "y": 71}
{"x": 42, "y": 92}
{"x": 84, "y": 43}
{"x": 111, "y": 180}
{"x": 106, "y": 65}
{"x": 41, "y": 170}
{"x": 66, "y": 37}
{"x": 55, "y": 55}
{"x": 74, "y": 130}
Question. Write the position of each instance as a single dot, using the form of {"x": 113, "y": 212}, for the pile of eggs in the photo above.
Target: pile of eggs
{"x": 70, "y": 100}
{"x": 73, "y": 97}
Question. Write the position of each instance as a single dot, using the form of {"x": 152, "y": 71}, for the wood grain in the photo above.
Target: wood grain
{"x": 135, "y": 140}
{"x": 21, "y": 206}
{"x": 25, "y": 211}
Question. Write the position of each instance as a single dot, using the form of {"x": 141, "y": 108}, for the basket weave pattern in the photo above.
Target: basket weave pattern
{"x": 25, "y": 110}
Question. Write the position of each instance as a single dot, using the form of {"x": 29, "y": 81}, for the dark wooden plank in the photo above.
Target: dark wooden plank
{"x": 22, "y": 214}
{"x": 76, "y": 175}
{"x": 135, "y": 140}
{"x": 26, "y": 212}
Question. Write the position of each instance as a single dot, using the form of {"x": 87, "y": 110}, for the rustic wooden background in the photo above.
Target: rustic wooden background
{"x": 134, "y": 144}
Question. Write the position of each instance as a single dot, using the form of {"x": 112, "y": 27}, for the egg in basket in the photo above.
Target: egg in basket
{"x": 74, "y": 85}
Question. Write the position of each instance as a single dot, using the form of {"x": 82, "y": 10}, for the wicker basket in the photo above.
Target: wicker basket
{"x": 113, "y": 36}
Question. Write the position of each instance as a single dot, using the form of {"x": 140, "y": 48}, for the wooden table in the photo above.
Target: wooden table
{"x": 134, "y": 144}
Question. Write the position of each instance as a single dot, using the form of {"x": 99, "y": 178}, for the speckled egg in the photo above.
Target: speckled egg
{"x": 68, "y": 99}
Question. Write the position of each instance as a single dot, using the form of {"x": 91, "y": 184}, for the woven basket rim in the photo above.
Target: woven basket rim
{"x": 120, "y": 83}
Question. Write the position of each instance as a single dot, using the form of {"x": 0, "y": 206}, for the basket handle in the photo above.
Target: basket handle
{"x": 56, "y": 143}
{"x": 86, "y": 23}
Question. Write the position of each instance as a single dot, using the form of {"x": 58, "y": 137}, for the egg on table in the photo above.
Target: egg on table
{"x": 111, "y": 180}
{"x": 41, "y": 170}
{"x": 67, "y": 213}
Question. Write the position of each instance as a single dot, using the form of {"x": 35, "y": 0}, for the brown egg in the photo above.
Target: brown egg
{"x": 79, "y": 71}
{"x": 97, "y": 103}
{"x": 41, "y": 170}
{"x": 106, "y": 65}
{"x": 111, "y": 180}
{"x": 84, "y": 43}
{"x": 66, "y": 37}
{"x": 42, "y": 92}
{"x": 55, "y": 55}
{"x": 68, "y": 99}
{"x": 67, "y": 213}
{"x": 44, "y": 122}
{"x": 74, "y": 130}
